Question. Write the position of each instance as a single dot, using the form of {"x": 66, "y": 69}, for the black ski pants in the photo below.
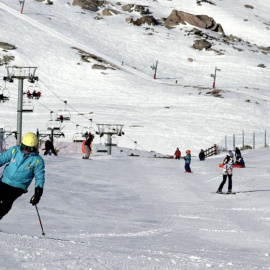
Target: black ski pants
{"x": 8, "y": 195}
{"x": 224, "y": 181}
{"x": 53, "y": 151}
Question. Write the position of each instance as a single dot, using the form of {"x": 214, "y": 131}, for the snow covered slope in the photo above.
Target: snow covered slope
{"x": 159, "y": 114}
{"x": 115, "y": 212}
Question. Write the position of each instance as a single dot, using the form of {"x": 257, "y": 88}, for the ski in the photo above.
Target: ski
{"x": 225, "y": 193}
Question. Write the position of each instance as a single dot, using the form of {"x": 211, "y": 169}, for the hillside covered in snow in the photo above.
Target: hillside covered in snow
{"x": 99, "y": 62}
{"x": 95, "y": 62}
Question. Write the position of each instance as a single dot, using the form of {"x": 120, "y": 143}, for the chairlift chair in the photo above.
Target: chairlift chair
{"x": 87, "y": 130}
{"x": 7, "y": 129}
{"x": 33, "y": 91}
{"x": 63, "y": 115}
{"x": 4, "y": 94}
{"x": 28, "y": 106}
{"x": 78, "y": 137}
{"x": 101, "y": 148}
{"x": 133, "y": 152}
{"x": 53, "y": 125}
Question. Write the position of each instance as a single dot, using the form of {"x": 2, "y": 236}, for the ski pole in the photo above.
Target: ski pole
{"x": 22, "y": 6}
{"x": 43, "y": 233}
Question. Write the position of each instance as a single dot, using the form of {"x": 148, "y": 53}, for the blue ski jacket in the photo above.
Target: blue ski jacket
{"x": 22, "y": 168}
{"x": 187, "y": 159}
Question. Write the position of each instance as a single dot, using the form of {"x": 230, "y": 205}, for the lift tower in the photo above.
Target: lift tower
{"x": 20, "y": 73}
{"x": 110, "y": 130}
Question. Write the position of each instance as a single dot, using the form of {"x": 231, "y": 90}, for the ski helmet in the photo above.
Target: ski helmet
{"x": 29, "y": 142}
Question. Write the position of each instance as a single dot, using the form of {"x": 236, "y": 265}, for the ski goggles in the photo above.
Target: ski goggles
{"x": 28, "y": 148}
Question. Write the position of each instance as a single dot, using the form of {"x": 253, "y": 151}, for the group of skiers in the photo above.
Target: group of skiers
{"x": 187, "y": 158}
{"x": 23, "y": 163}
{"x": 227, "y": 169}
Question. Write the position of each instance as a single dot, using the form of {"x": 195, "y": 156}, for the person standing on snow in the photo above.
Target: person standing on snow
{"x": 177, "y": 153}
{"x": 49, "y": 148}
{"x": 202, "y": 155}
{"x": 227, "y": 171}
{"x": 237, "y": 153}
{"x": 187, "y": 159}
{"x": 23, "y": 164}
{"x": 87, "y": 145}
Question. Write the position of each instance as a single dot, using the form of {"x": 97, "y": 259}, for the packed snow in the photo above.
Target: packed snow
{"x": 141, "y": 212}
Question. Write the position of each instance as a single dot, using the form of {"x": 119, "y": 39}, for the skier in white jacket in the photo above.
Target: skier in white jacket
{"x": 227, "y": 172}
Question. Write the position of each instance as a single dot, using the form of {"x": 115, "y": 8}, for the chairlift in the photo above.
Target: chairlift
{"x": 86, "y": 131}
{"x": 7, "y": 129}
{"x": 33, "y": 91}
{"x": 77, "y": 137}
{"x": 83, "y": 135}
{"x": 101, "y": 148}
{"x": 63, "y": 115}
{"x": 4, "y": 94}
{"x": 53, "y": 124}
{"x": 28, "y": 106}
{"x": 134, "y": 152}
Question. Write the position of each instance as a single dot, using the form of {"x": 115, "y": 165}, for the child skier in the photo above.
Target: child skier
{"x": 187, "y": 159}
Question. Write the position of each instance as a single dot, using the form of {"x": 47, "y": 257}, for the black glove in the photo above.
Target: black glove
{"x": 36, "y": 197}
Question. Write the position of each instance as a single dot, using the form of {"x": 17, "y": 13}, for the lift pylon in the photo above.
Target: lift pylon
{"x": 20, "y": 73}
{"x": 109, "y": 130}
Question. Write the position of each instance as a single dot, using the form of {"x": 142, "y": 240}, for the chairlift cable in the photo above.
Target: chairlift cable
{"x": 44, "y": 105}
{"x": 64, "y": 101}
{"x": 136, "y": 142}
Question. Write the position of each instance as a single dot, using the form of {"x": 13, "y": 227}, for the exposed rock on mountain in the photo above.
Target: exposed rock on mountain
{"x": 143, "y": 10}
{"x": 7, "y": 46}
{"x": 92, "y": 5}
{"x": 109, "y": 12}
{"x": 150, "y": 20}
{"x": 201, "y": 21}
{"x": 202, "y": 44}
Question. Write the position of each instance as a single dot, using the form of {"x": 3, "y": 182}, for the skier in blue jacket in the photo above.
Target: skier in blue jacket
{"x": 187, "y": 159}
{"x": 23, "y": 163}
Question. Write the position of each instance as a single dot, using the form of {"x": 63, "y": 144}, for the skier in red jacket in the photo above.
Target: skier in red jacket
{"x": 177, "y": 153}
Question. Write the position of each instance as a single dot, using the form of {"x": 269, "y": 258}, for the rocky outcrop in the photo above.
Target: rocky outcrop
{"x": 150, "y": 20}
{"x": 7, "y": 46}
{"x": 92, "y": 5}
{"x": 143, "y": 10}
{"x": 201, "y": 21}
{"x": 109, "y": 12}
{"x": 202, "y": 44}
